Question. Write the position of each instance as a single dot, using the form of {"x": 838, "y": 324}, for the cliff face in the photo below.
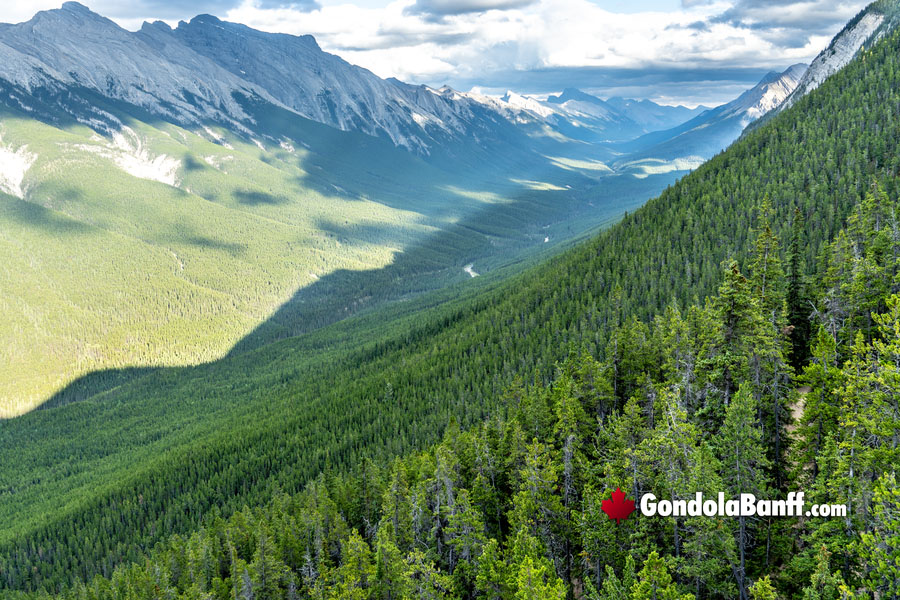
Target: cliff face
{"x": 878, "y": 19}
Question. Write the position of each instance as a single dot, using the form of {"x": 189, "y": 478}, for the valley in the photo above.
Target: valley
{"x": 261, "y": 342}
{"x": 217, "y": 217}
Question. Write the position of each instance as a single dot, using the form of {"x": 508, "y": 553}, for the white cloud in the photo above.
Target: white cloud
{"x": 395, "y": 41}
{"x": 22, "y": 10}
{"x": 437, "y": 41}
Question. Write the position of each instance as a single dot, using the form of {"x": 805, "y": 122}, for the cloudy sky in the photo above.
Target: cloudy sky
{"x": 674, "y": 51}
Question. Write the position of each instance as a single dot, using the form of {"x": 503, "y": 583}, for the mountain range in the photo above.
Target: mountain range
{"x": 713, "y": 130}
{"x": 208, "y": 70}
{"x": 253, "y": 178}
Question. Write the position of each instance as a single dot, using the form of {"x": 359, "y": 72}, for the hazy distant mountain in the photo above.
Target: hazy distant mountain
{"x": 652, "y": 116}
{"x": 582, "y": 116}
{"x": 647, "y": 114}
{"x": 713, "y": 130}
{"x": 594, "y": 113}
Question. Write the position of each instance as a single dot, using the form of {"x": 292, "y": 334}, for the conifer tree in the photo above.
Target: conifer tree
{"x": 615, "y": 587}
{"x": 762, "y": 589}
{"x": 537, "y": 581}
{"x": 355, "y": 577}
{"x": 880, "y": 548}
{"x": 798, "y": 306}
{"x": 390, "y": 568}
{"x": 424, "y": 581}
{"x": 825, "y": 585}
{"x": 744, "y": 465}
{"x": 655, "y": 583}
{"x": 727, "y": 350}
{"x": 492, "y": 577}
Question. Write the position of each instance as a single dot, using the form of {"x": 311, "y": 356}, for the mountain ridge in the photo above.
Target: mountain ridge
{"x": 713, "y": 130}
{"x": 867, "y": 27}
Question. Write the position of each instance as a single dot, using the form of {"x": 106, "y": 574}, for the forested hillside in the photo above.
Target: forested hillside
{"x": 178, "y": 448}
{"x": 699, "y": 400}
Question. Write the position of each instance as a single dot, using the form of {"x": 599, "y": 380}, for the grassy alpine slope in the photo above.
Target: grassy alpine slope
{"x": 163, "y": 452}
{"x": 165, "y": 246}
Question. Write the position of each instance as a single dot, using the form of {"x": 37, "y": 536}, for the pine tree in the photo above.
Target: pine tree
{"x": 615, "y": 587}
{"x": 492, "y": 577}
{"x": 355, "y": 577}
{"x": 466, "y": 535}
{"x": 267, "y": 570}
{"x": 655, "y": 583}
{"x": 726, "y": 354}
{"x": 395, "y": 508}
{"x": 537, "y": 508}
{"x": 880, "y": 548}
{"x": 820, "y": 404}
{"x": 767, "y": 279}
{"x": 390, "y": 568}
{"x": 798, "y": 306}
{"x": 770, "y": 372}
{"x": 825, "y": 585}
{"x": 744, "y": 465}
{"x": 537, "y": 581}
{"x": 709, "y": 546}
{"x": 762, "y": 589}
{"x": 423, "y": 580}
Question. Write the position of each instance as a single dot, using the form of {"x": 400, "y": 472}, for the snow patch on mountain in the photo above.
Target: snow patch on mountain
{"x": 218, "y": 162}
{"x": 14, "y": 164}
{"x": 217, "y": 138}
{"x": 128, "y": 152}
{"x": 136, "y": 160}
{"x": 525, "y": 103}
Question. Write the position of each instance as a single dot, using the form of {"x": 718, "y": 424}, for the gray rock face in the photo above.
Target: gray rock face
{"x": 196, "y": 73}
{"x": 205, "y": 70}
{"x": 74, "y": 47}
{"x": 324, "y": 87}
{"x": 766, "y": 95}
{"x": 877, "y": 20}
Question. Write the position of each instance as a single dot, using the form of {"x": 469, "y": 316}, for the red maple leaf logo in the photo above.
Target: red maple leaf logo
{"x": 618, "y": 508}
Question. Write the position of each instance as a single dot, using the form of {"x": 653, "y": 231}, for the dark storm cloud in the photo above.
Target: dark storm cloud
{"x": 439, "y": 9}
